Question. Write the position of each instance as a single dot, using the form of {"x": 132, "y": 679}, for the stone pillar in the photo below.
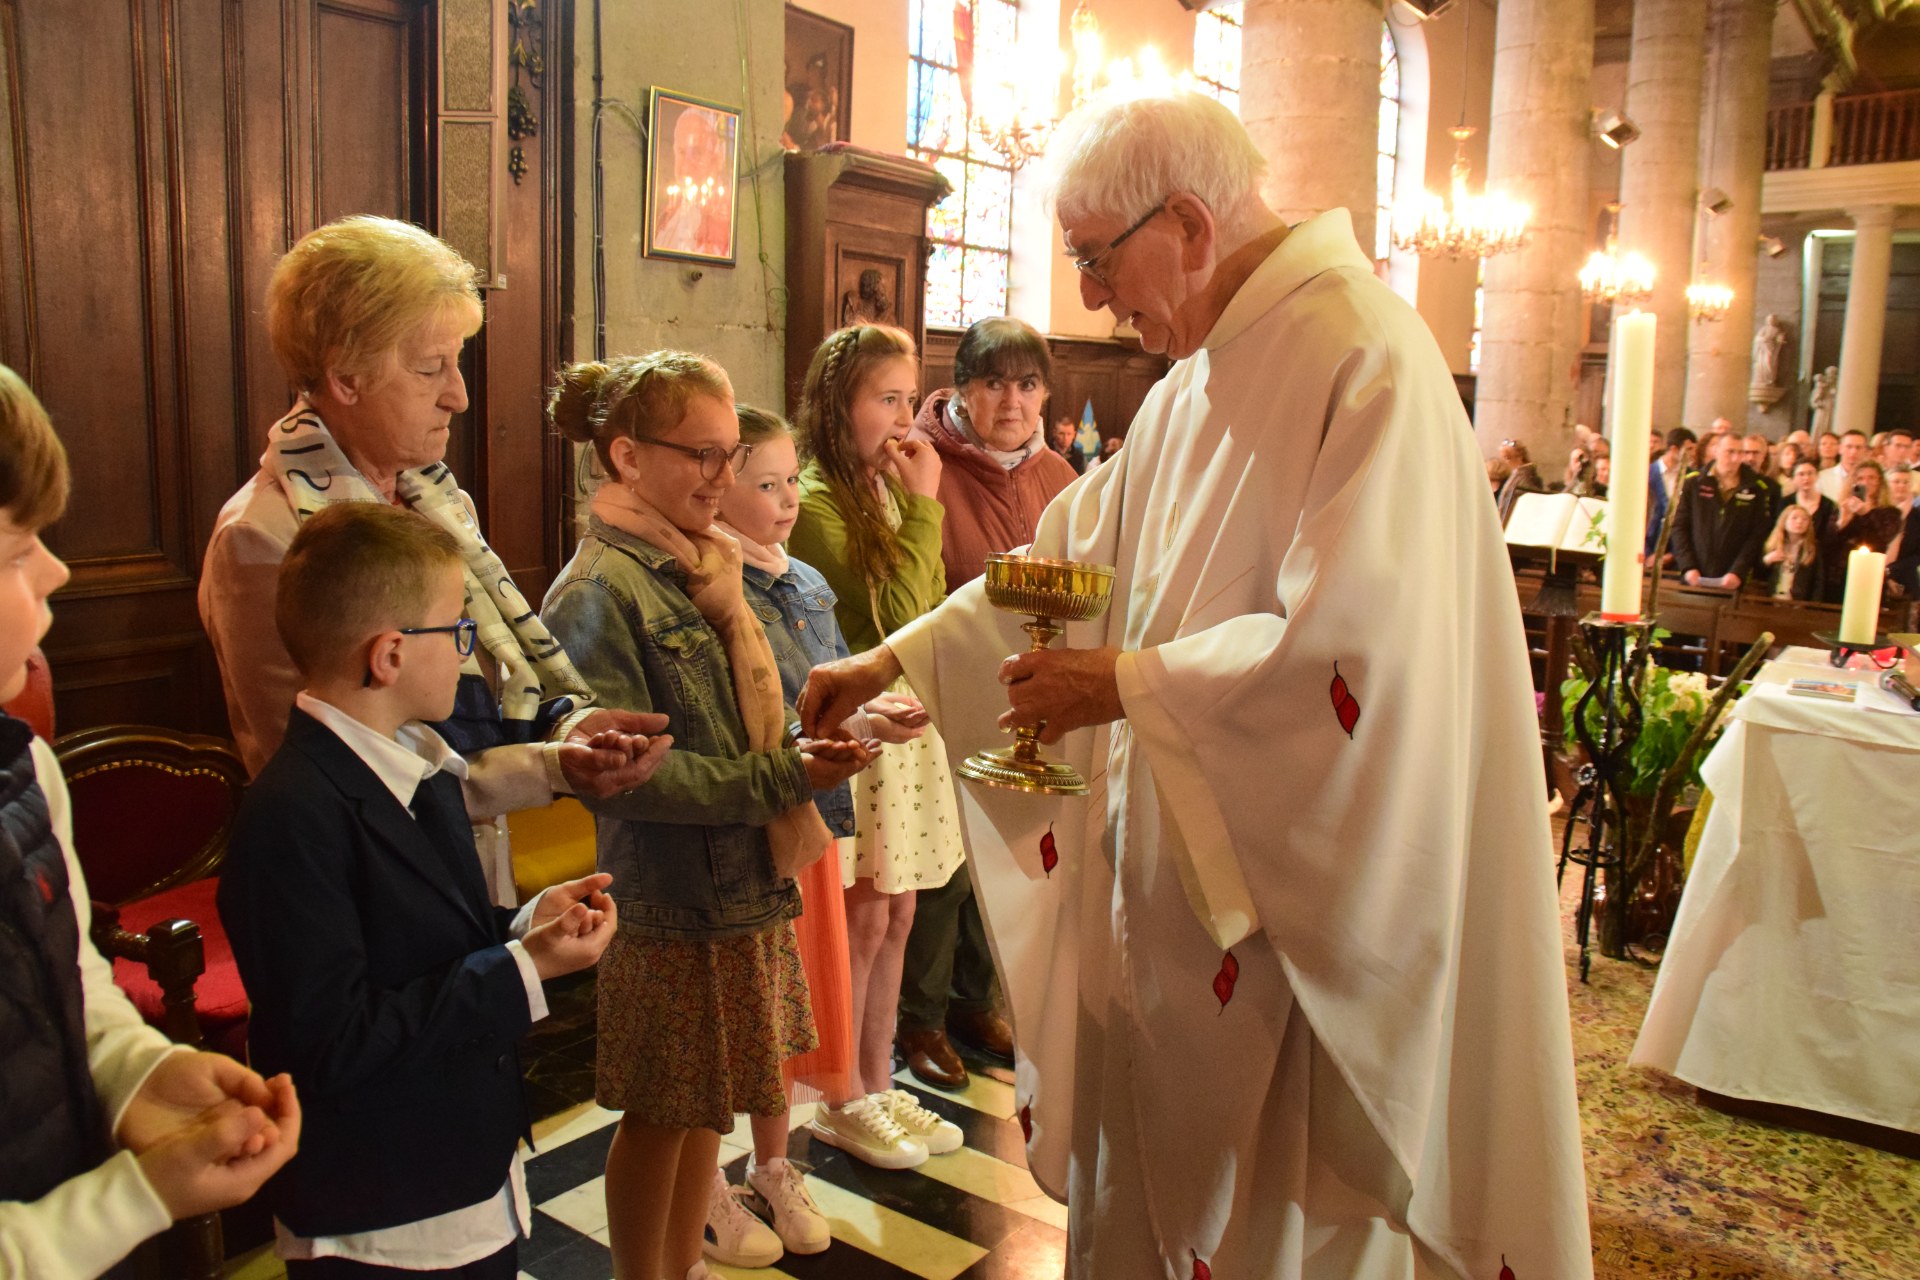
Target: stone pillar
{"x": 1733, "y": 148}
{"x": 1866, "y": 324}
{"x": 1309, "y": 89}
{"x": 1537, "y": 151}
{"x": 1660, "y": 179}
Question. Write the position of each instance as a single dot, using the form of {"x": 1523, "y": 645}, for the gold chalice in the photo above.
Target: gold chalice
{"x": 1050, "y": 592}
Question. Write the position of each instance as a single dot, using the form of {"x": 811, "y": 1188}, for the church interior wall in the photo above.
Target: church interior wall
{"x": 733, "y": 314}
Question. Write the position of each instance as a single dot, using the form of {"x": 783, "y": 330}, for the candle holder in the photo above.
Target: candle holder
{"x": 1620, "y": 651}
{"x": 1844, "y": 650}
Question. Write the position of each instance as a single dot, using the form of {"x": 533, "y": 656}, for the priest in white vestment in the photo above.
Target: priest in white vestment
{"x": 1287, "y": 989}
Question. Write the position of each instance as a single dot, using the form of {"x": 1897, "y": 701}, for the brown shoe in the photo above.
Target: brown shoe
{"x": 983, "y": 1031}
{"x": 931, "y": 1058}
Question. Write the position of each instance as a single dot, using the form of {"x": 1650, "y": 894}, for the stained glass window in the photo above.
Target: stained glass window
{"x": 1388, "y": 146}
{"x": 972, "y": 229}
{"x": 1216, "y": 53}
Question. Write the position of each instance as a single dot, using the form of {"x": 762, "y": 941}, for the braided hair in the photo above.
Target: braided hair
{"x": 824, "y": 421}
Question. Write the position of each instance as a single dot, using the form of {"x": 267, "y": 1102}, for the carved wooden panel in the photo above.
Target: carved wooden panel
{"x": 156, "y": 159}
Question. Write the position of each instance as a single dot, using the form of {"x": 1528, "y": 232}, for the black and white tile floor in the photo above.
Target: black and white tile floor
{"x": 974, "y": 1214}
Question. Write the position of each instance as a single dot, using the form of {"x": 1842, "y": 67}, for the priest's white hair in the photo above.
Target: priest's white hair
{"x": 1117, "y": 157}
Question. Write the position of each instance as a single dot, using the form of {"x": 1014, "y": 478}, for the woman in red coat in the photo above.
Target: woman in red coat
{"x": 996, "y": 477}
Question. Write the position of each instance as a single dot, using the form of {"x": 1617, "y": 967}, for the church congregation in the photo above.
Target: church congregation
{"x": 1071, "y": 686}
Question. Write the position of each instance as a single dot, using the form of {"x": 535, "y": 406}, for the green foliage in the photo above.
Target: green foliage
{"x": 1672, "y": 705}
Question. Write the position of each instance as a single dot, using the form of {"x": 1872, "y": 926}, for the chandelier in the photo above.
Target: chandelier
{"x": 1013, "y": 120}
{"x": 1465, "y": 227}
{"x": 1612, "y": 277}
{"x": 1706, "y": 301}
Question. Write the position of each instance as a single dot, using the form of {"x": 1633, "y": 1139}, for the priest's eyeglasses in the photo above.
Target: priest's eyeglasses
{"x": 711, "y": 458}
{"x": 465, "y": 632}
{"x": 1090, "y": 267}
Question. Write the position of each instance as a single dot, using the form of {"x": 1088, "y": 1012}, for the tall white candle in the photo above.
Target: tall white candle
{"x": 1860, "y": 613}
{"x": 1630, "y": 378}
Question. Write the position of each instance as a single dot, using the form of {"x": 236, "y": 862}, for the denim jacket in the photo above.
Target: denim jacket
{"x": 688, "y": 851}
{"x": 796, "y": 609}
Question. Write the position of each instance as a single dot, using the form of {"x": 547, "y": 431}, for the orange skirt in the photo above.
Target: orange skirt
{"x": 824, "y": 1074}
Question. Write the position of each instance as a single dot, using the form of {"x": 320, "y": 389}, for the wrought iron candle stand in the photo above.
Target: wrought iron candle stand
{"x": 1620, "y": 651}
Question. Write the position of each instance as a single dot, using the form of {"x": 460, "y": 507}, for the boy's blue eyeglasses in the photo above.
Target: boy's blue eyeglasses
{"x": 465, "y": 633}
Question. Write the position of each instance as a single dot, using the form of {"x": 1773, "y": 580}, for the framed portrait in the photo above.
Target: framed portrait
{"x": 819, "y": 85}
{"x": 693, "y": 157}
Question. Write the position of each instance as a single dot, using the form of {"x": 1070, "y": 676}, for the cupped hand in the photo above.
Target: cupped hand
{"x": 572, "y": 940}
{"x": 588, "y": 889}
{"x": 1060, "y": 690}
{"x": 611, "y": 751}
{"x": 224, "y": 1154}
{"x": 831, "y": 761}
{"x": 180, "y": 1089}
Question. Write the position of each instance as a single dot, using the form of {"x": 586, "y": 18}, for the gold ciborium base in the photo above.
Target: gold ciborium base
{"x": 1036, "y": 776}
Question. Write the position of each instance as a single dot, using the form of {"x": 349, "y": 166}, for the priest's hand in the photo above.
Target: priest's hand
{"x": 1059, "y": 690}
{"x": 835, "y": 690}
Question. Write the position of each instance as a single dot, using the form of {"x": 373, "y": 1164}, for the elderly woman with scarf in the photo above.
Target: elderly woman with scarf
{"x": 997, "y": 475}
{"x": 367, "y": 316}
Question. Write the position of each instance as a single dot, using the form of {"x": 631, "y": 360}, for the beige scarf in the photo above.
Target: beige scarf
{"x": 712, "y": 563}
{"x": 770, "y": 556}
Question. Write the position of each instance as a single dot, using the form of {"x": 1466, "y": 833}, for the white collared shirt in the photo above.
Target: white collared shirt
{"x": 462, "y": 1236}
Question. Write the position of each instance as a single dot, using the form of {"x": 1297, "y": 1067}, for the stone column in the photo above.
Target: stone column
{"x": 1866, "y": 324}
{"x": 1537, "y": 153}
{"x": 1733, "y": 150}
{"x": 1660, "y": 178}
{"x": 1309, "y": 91}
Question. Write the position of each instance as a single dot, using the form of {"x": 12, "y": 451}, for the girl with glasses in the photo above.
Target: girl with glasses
{"x": 702, "y": 993}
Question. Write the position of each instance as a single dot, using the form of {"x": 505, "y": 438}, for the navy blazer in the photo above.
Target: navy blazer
{"x": 380, "y": 980}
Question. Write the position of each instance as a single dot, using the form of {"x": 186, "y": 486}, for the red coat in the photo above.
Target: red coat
{"x": 989, "y": 508}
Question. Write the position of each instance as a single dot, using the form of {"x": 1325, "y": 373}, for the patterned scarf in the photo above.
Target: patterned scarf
{"x": 712, "y": 563}
{"x": 314, "y": 472}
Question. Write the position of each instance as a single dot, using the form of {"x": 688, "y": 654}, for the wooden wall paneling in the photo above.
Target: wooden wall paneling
{"x": 362, "y": 76}
{"x": 1115, "y": 374}
{"x": 520, "y": 495}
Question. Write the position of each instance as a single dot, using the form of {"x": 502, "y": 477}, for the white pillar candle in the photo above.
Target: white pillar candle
{"x": 1860, "y": 614}
{"x": 1630, "y": 414}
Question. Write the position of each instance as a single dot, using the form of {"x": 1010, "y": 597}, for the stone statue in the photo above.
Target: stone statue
{"x": 1825, "y": 386}
{"x": 1767, "y": 345}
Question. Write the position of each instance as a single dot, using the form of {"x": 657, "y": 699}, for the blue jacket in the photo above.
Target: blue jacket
{"x": 380, "y": 978}
{"x": 796, "y": 609}
{"x": 688, "y": 851}
{"x": 1656, "y": 505}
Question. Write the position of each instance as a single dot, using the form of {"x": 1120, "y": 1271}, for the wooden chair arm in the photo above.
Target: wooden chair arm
{"x": 175, "y": 958}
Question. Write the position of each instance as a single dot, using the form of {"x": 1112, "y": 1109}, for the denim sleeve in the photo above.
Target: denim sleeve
{"x": 691, "y": 786}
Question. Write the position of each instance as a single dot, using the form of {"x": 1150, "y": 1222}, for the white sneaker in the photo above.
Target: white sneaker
{"x": 734, "y": 1236}
{"x": 797, "y": 1220}
{"x": 865, "y": 1128}
{"x": 937, "y": 1135}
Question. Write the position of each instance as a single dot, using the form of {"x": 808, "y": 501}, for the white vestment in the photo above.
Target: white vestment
{"x": 1386, "y": 1090}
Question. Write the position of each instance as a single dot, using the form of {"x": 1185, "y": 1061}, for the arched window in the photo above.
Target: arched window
{"x": 1216, "y": 53}
{"x": 972, "y": 229}
{"x": 1388, "y": 145}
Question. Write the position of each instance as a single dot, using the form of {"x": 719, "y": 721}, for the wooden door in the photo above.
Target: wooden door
{"x": 157, "y": 158}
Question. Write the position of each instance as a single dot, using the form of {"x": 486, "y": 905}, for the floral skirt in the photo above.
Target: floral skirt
{"x": 693, "y": 1032}
{"x": 906, "y": 820}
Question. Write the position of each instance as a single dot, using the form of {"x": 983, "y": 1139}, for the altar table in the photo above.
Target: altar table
{"x": 1792, "y": 976}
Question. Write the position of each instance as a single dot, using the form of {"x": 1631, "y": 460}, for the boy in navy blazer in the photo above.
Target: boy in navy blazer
{"x": 380, "y": 975}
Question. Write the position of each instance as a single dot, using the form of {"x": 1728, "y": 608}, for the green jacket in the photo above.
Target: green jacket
{"x": 869, "y": 615}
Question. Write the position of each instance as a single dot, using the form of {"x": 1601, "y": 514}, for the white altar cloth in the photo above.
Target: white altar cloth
{"x": 1793, "y": 971}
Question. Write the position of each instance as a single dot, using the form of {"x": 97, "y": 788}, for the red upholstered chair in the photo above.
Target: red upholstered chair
{"x": 152, "y": 809}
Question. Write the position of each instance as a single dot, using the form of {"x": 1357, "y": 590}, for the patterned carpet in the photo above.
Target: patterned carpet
{"x": 1682, "y": 1192}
